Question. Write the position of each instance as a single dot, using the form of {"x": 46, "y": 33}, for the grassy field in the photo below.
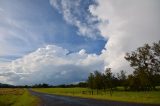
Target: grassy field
{"x": 17, "y": 97}
{"x": 152, "y": 97}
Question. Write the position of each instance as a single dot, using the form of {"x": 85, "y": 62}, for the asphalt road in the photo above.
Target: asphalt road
{"x": 55, "y": 100}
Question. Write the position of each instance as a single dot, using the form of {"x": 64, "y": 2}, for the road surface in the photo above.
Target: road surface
{"x": 55, "y": 100}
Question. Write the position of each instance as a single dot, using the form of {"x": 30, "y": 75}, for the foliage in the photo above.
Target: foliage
{"x": 146, "y": 63}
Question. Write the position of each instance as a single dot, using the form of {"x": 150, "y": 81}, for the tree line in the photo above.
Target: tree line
{"x": 45, "y": 85}
{"x": 145, "y": 62}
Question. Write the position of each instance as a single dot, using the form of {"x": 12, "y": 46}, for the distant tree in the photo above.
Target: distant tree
{"x": 98, "y": 81}
{"x": 132, "y": 82}
{"x": 82, "y": 84}
{"x": 91, "y": 81}
{"x": 6, "y": 86}
{"x": 122, "y": 79}
{"x": 109, "y": 80}
{"x": 43, "y": 85}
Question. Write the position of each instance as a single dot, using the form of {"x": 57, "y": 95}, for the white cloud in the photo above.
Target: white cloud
{"x": 51, "y": 64}
{"x": 130, "y": 25}
{"x": 75, "y": 14}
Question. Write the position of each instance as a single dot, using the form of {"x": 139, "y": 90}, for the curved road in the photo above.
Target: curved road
{"x": 55, "y": 100}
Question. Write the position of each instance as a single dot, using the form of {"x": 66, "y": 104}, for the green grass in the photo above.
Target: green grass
{"x": 10, "y": 97}
{"x": 151, "y": 97}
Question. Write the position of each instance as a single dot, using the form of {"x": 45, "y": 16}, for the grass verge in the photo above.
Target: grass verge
{"x": 17, "y": 97}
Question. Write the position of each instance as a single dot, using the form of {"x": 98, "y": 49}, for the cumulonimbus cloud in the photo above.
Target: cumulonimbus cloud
{"x": 53, "y": 65}
{"x": 127, "y": 25}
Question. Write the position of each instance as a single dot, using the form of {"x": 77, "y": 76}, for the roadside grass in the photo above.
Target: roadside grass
{"x": 149, "y": 97}
{"x": 17, "y": 97}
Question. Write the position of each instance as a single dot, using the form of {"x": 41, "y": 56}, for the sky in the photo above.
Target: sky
{"x": 62, "y": 41}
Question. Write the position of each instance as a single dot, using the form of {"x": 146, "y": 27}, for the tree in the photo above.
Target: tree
{"x": 139, "y": 60}
{"x": 155, "y": 64}
{"x": 146, "y": 62}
